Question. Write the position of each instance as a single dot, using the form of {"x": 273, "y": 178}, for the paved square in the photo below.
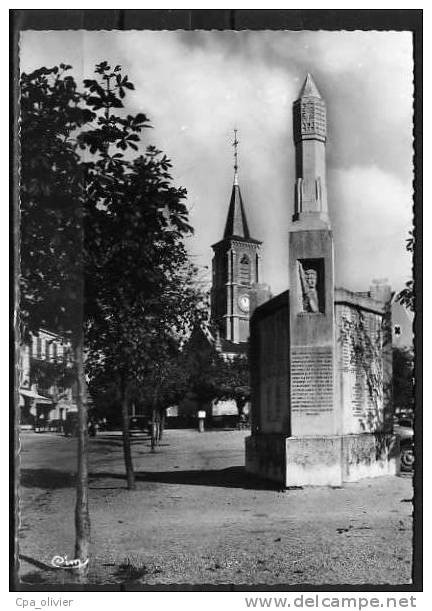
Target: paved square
{"x": 198, "y": 518}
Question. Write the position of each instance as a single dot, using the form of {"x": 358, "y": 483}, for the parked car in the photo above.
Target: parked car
{"x": 404, "y": 429}
{"x": 70, "y": 426}
{"x": 92, "y": 428}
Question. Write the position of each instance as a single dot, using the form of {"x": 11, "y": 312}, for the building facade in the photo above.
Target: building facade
{"x": 47, "y": 393}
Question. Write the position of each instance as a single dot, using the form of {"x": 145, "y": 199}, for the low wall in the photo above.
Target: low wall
{"x": 321, "y": 461}
{"x": 369, "y": 455}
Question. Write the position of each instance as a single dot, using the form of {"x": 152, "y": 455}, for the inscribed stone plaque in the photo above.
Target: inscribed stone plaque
{"x": 311, "y": 380}
{"x": 363, "y": 329}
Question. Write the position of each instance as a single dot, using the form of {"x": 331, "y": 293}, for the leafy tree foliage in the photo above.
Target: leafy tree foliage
{"x": 52, "y": 236}
{"x": 102, "y": 250}
{"x": 212, "y": 376}
{"x": 407, "y": 297}
{"x": 145, "y": 297}
{"x": 51, "y": 201}
{"x": 233, "y": 380}
{"x": 47, "y": 374}
{"x": 403, "y": 378}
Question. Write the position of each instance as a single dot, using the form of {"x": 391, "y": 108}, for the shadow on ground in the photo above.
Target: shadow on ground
{"x": 47, "y": 479}
{"x": 232, "y": 477}
{"x": 37, "y": 563}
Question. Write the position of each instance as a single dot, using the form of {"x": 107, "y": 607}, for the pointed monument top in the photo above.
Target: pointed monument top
{"x": 309, "y": 88}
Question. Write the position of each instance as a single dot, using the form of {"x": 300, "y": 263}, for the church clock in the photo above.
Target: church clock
{"x": 243, "y": 303}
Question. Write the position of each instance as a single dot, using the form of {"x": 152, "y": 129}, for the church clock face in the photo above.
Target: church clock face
{"x": 243, "y": 303}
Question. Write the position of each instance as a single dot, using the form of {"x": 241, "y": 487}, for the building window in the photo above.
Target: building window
{"x": 397, "y": 330}
{"x": 245, "y": 273}
{"x": 38, "y": 348}
{"x": 54, "y": 352}
{"x": 60, "y": 351}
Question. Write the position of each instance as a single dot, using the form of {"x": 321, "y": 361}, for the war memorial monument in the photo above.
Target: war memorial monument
{"x": 321, "y": 357}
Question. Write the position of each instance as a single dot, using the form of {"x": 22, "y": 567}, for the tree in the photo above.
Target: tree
{"x": 403, "y": 378}
{"x": 166, "y": 382}
{"x": 145, "y": 296}
{"x": 52, "y": 236}
{"x": 47, "y": 374}
{"x": 210, "y": 375}
{"x": 102, "y": 233}
{"x": 233, "y": 380}
{"x": 200, "y": 364}
{"x": 407, "y": 297}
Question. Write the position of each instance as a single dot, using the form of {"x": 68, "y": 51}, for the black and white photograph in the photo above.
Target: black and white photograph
{"x": 216, "y": 363}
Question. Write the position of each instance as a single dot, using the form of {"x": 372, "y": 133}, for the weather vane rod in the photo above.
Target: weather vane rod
{"x": 235, "y": 145}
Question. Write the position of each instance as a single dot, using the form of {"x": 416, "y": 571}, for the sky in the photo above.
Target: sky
{"x": 196, "y": 86}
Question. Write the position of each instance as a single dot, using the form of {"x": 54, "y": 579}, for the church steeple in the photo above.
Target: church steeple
{"x": 236, "y": 223}
{"x": 236, "y": 269}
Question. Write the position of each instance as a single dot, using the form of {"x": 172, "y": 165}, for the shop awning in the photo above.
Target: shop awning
{"x": 31, "y": 394}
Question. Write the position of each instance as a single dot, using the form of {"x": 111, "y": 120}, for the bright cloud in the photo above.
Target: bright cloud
{"x": 371, "y": 223}
{"x": 196, "y": 86}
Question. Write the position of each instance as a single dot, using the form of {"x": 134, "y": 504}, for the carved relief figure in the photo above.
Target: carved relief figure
{"x": 308, "y": 281}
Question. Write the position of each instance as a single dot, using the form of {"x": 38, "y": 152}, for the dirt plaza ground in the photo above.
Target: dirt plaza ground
{"x": 197, "y": 518}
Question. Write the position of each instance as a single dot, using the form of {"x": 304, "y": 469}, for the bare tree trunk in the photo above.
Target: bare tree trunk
{"x": 130, "y": 476}
{"x": 161, "y": 425}
{"x": 155, "y": 424}
{"x": 82, "y": 518}
{"x": 154, "y": 430}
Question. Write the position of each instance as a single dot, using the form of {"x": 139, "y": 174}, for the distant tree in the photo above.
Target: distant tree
{"x": 201, "y": 363}
{"x": 106, "y": 398}
{"x": 232, "y": 380}
{"x": 406, "y": 297}
{"x": 167, "y": 384}
{"x": 47, "y": 374}
{"x": 210, "y": 375}
{"x": 403, "y": 378}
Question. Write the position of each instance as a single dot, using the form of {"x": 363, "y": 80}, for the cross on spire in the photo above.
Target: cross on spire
{"x": 236, "y": 224}
{"x": 235, "y": 145}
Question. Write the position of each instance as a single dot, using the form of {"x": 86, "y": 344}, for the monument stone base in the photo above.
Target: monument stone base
{"x": 321, "y": 461}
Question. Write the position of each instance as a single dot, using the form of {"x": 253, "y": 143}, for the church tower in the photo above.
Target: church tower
{"x": 236, "y": 268}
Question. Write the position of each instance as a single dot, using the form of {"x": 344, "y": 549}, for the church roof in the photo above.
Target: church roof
{"x": 229, "y": 347}
{"x": 309, "y": 88}
{"x": 202, "y": 339}
{"x": 236, "y": 224}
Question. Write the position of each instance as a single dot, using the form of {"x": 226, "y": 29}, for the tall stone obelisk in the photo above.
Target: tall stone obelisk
{"x": 319, "y": 355}
{"x": 311, "y": 275}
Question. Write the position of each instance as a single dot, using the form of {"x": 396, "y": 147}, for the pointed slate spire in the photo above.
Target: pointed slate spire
{"x": 309, "y": 88}
{"x": 236, "y": 224}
